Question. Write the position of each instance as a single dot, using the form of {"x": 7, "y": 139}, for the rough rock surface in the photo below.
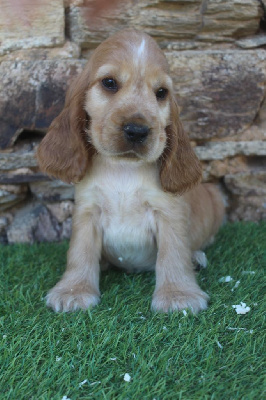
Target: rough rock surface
{"x": 247, "y": 183}
{"x": 32, "y": 93}
{"x": 168, "y": 21}
{"x": 62, "y": 211}
{"x": 220, "y": 92}
{"x": 69, "y": 50}
{"x": 11, "y": 195}
{"x": 52, "y": 190}
{"x": 248, "y": 208}
{"x": 222, "y": 150}
{"x": 28, "y": 24}
{"x": 34, "y": 222}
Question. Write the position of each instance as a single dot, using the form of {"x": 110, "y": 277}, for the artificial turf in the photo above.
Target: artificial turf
{"x": 217, "y": 354}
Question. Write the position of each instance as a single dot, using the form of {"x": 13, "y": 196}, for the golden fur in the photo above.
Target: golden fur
{"x": 139, "y": 204}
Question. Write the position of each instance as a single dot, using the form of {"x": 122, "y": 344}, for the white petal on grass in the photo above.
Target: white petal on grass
{"x": 240, "y": 329}
{"x": 236, "y": 285}
{"x": 127, "y": 377}
{"x": 184, "y": 312}
{"x": 219, "y": 345}
{"x": 241, "y": 308}
{"x": 83, "y": 382}
{"x": 113, "y": 359}
{"x": 226, "y": 279}
{"x": 236, "y": 329}
{"x": 65, "y": 398}
{"x": 248, "y": 272}
{"x": 58, "y": 358}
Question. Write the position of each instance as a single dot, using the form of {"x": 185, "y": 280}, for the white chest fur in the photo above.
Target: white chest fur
{"x": 124, "y": 193}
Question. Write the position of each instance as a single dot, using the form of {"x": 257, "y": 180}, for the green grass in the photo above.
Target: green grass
{"x": 214, "y": 355}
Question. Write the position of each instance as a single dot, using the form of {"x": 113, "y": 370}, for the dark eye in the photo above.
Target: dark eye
{"x": 110, "y": 84}
{"x": 161, "y": 93}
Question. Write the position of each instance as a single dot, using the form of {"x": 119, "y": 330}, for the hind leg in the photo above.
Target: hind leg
{"x": 199, "y": 260}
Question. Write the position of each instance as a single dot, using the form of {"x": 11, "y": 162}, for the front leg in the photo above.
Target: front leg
{"x": 79, "y": 286}
{"x": 176, "y": 287}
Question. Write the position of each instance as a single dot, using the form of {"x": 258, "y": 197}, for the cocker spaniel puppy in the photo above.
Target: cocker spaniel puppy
{"x": 138, "y": 201}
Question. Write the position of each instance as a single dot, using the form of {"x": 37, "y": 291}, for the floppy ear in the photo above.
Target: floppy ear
{"x": 65, "y": 152}
{"x": 180, "y": 167}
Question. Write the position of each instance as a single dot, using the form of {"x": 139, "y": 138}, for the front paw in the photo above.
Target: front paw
{"x": 171, "y": 298}
{"x": 65, "y": 298}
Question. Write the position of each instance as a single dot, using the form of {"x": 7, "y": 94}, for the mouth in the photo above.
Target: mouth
{"x": 130, "y": 154}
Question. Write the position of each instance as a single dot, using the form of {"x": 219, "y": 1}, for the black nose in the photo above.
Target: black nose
{"x": 135, "y": 133}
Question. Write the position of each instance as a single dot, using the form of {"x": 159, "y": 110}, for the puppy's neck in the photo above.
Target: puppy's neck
{"x": 114, "y": 169}
{"x": 125, "y": 163}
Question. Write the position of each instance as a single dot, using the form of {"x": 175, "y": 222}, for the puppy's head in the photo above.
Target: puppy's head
{"x": 122, "y": 105}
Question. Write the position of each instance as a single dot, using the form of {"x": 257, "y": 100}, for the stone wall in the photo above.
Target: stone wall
{"x": 217, "y": 55}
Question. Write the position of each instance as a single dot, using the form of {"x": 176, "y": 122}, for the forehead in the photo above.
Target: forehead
{"x": 130, "y": 49}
